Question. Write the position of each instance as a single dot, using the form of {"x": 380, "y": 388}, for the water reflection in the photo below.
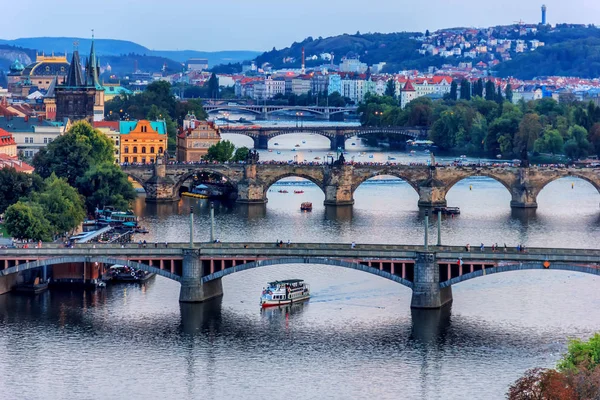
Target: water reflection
{"x": 339, "y": 214}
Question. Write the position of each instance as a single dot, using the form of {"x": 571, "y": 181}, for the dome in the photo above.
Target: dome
{"x": 16, "y": 66}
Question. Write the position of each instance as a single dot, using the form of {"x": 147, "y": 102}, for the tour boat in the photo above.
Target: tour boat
{"x": 317, "y": 158}
{"x": 371, "y": 156}
{"x": 306, "y": 206}
{"x": 270, "y": 150}
{"x": 298, "y": 191}
{"x": 304, "y": 141}
{"x": 278, "y": 152}
{"x": 275, "y": 144}
{"x": 390, "y": 158}
{"x": 297, "y": 145}
{"x": 353, "y": 144}
{"x": 463, "y": 156}
{"x": 284, "y": 292}
{"x": 282, "y": 191}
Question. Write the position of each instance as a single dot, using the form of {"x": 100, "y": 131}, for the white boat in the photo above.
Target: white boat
{"x": 284, "y": 292}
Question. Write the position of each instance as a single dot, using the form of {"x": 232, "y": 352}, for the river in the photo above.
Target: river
{"x": 356, "y": 337}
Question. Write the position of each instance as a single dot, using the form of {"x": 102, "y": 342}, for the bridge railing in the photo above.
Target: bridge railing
{"x": 270, "y": 249}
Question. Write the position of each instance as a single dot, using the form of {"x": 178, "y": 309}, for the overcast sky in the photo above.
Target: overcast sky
{"x": 260, "y": 25}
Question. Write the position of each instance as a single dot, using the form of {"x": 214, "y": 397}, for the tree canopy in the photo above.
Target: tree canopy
{"x": 106, "y": 185}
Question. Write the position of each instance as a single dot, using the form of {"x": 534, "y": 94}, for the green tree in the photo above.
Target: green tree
{"x": 508, "y": 93}
{"x": 70, "y": 155}
{"x": 25, "y": 220}
{"x": 490, "y": 91}
{"x": 550, "y": 142}
{"x": 454, "y": 90}
{"x": 445, "y": 130}
{"x": 465, "y": 90}
{"x": 220, "y": 152}
{"x": 106, "y": 185}
{"x": 594, "y": 138}
{"x": 241, "y": 154}
{"x": 16, "y": 185}
{"x": 390, "y": 88}
{"x": 499, "y": 97}
{"x": 577, "y": 146}
{"x": 213, "y": 86}
{"x": 63, "y": 206}
{"x": 581, "y": 354}
{"x": 478, "y": 88}
{"x": 530, "y": 130}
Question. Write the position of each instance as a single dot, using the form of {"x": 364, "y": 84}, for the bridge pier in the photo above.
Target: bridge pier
{"x": 160, "y": 187}
{"x": 523, "y": 197}
{"x": 426, "y": 286}
{"x": 192, "y": 289}
{"x": 338, "y": 142}
{"x": 338, "y": 186}
{"x": 249, "y": 189}
{"x": 432, "y": 193}
{"x": 261, "y": 142}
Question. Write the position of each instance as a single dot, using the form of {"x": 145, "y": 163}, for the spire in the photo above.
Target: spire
{"x": 74, "y": 76}
{"x": 51, "y": 88}
{"x": 92, "y": 68}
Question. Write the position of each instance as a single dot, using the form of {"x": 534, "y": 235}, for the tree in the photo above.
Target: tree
{"x": 26, "y": 221}
{"x": 594, "y": 138}
{"x": 581, "y": 354}
{"x": 241, "y": 154}
{"x": 220, "y": 152}
{"x": 63, "y": 206}
{"x": 16, "y": 185}
{"x": 542, "y": 384}
{"x": 465, "y": 90}
{"x": 427, "y": 34}
{"x": 499, "y": 98}
{"x": 508, "y": 93}
{"x": 213, "y": 86}
{"x": 390, "y": 88}
{"x": 490, "y": 91}
{"x": 478, "y": 88}
{"x": 70, "y": 155}
{"x": 577, "y": 146}
{"x": 106, "y": 185}
{"x": 453, "y": 90}
{"x": 550, "y": 142}
{"x": 530, "y": 129}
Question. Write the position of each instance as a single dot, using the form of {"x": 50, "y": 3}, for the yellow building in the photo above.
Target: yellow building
{"x": 111, "y": 130}
{"x": 142, "y": 141}
{"x": 8, "y": 145}
{"x": 195, "y": 138}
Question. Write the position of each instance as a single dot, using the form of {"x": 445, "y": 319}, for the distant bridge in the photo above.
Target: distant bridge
{"x": 263, "y": 111}
{"x": 429, "y": 273}
{"x": 337, "y": 135}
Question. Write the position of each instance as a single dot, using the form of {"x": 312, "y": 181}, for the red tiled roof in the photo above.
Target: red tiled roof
{"x": 14, "y": 162}
{"x": 408, "y": 87}
{"x": 114, "y": 125}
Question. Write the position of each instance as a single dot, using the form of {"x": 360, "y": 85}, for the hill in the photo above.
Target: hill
{"x": 398, "y": 50}
{"x": 569, "y": 51}
{"x": 114, "y": 47}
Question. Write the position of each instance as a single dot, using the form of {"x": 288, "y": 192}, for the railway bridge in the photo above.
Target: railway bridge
{"x": 429, "y": 272}
{"x": 264, "y": 111}
{"x": 337, "y": 135}
{"x": 163, "y": 182}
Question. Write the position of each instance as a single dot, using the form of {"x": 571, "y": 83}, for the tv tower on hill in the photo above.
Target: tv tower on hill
{"x": 543, "y": 14}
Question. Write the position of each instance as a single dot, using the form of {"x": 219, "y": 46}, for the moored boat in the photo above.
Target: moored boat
{"x": 284, "y": 292}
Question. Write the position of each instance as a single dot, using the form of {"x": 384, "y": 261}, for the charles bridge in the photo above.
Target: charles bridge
{"x": 163, "y": 182}
{"x": 337, "y": 135}
{"x": 430, "y": 272}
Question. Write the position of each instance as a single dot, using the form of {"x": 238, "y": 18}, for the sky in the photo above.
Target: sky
{"x": 261, "y": 25}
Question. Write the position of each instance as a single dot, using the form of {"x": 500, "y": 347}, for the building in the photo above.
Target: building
{"x": 268, "y": 88}
{"x": 111, "y": 130}
{"x": 37, "y": 75}
{"x": 407, "y": 94}
{"x": 112, "y": 90}
{"x": 195, "y": 138}
{"x": 197, "y": 64}
{"x": 8, "y": 145}
{"x": 81, "y": 97}
{"x": 300, "y": 86}
{"x": 31, "y": 134}
{"x": 334, "y": 84}
{"x": 142, "y": 141}
{"x": 353, "y": 65}
{"x": 7, "y": 161}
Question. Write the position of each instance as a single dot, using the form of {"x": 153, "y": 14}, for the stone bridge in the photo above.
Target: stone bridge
{"x": 336, "y": 135}
{"x": 263, "y": 111}
{"x": 252, "y": 181}
{"x": 429, "y": 273}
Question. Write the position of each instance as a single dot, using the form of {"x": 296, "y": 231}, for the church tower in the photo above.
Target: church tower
{"x": 81, "y": 97}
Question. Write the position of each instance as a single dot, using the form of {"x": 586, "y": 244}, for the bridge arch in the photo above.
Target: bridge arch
{"x": 82, "y": 259}
{"x": 293, "y": 174}
{"x": 359, "y": 180}
{"x": 570, "y": 174}
{"x": 586, "y": 269}
{"x": 250, "y": 110}
{"x": 138, "y": 180}
{"x": 307, "y": 260}
{"x": 296, "y": 108}
{"x": 475, "y": 173}
{"x": 181, "y": 180}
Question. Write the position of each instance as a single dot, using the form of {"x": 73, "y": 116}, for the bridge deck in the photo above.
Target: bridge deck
{"x": 231, "y": 249}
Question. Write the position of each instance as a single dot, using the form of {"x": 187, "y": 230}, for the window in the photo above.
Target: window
{"x": 45, "y": 140}
{"x": 126, "y": 159}
{"x": 126, "y": 149}
{"x": 135, "y": 149}
{"x": 152, "y": 149}
{"x": 30, "y": 140}
{"x": 134, "y": 159}
{"x": 144, "y": 150}
{"x": 160, "y": 150}
{"x": 143, "y": 160}
{"x": 144, "y": 129}
{"x": 26, "y": 140}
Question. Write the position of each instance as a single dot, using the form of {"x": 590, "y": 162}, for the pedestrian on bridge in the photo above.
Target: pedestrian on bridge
{"x": 482, "y": 247}
{"x": 353, "y": 245}
{"x": 166, "y": 244}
